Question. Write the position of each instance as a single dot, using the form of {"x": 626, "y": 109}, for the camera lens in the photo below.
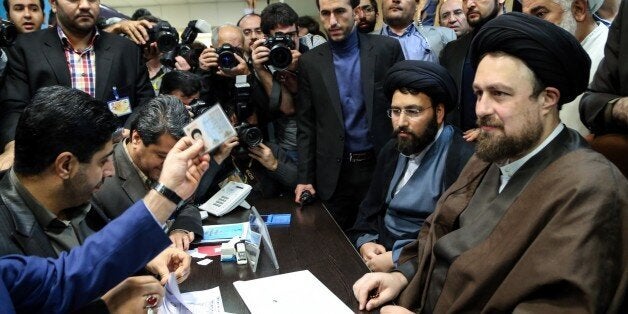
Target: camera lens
{"x": 280, "y": 56}
{"x": 250, "y": 136}
{"x": 227, "y": 60}
{"x": 166, "y": 41}
{"x": 8, "y": 33}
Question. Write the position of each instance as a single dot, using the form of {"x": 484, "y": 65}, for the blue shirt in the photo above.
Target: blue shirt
{"x": 346, "y": 56}
{"x": 413, "y": 44}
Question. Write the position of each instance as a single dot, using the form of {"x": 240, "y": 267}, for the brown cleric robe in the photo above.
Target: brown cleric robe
{"x": 554, "y": 240}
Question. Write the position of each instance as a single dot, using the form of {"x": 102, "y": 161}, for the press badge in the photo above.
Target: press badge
{"x": 120, "y": 106}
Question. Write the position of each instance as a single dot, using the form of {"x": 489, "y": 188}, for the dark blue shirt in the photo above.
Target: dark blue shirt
{"x": 348, "y": 77}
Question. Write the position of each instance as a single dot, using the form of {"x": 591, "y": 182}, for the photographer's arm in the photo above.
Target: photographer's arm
{"x": 137, "y": 31}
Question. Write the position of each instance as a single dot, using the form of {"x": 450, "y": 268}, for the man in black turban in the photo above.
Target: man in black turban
{"x": 537, "y": 221}
{"x": 413, "y": 169}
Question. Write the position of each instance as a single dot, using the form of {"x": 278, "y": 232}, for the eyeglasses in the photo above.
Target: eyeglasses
{"x": 410, "y": 112}
{"x": 249, "y": 31}
{"x": 367, "y": 8}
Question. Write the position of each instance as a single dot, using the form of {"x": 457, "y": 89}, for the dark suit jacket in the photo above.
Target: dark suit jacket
{"x": 610, "y": 80}
{"x": 373, "y": 208}
{"x": 452, "y": 58}
{"x": 126, "y": 187}
{"x": 37, "y": 60}
{"x": 34, "y": 285}
{"x": 19, "y": 231}
{"x": 319, "y": 111}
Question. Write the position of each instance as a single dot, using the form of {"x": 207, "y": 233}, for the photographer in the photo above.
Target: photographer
{"x": 276, "y": 76}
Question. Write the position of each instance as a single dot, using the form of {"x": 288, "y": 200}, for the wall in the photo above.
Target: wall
{"x": 216, "y": 13}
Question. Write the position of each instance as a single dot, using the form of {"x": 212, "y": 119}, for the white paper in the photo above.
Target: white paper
{"x": 196, "y": 254}
{"x": 297, "y": 292}
{"x": 204, "y": 262}
{"x": 197, "y": 302}
{"x": 204, "y": 302}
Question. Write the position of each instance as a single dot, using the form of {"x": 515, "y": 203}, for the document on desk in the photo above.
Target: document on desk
{"x": 197, "y": 302}
{"x": 297, "y": 292}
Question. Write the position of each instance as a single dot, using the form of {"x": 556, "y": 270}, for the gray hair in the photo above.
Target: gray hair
{"x": 163, "y": 114}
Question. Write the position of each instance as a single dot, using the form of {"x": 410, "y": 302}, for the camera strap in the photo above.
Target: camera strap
{"x": 274, "y": 99}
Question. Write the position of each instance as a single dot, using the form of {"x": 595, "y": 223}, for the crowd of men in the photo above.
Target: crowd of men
{"x": 474, "y": 157}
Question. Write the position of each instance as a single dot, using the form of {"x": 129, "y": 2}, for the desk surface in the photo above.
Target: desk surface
{"x": 313, "y": 241}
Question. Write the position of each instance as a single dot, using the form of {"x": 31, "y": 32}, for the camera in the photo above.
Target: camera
{"x": 166, "y": 36}
{"x": 186, "y": 49}
{"x": 280, "y": 55}
{"x": 198, "y": 107}
{"x": 227, "y": 57}
{"x": 8, "y": 33}
{"x": 306, "y": 198}
{"x": 248, "y": 135}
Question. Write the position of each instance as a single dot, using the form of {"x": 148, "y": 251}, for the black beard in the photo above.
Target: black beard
{"x": 416, "y": 144}
{"x": 501, "y": 148}
{"x": 477, "y": 25}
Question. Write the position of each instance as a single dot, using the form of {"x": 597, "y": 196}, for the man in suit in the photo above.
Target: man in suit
{"x": 106, "y": 258}
{"x": 455, "y": 59}
{"x": 45, "y": 208}
{"x": 537, "y": 221}
{"x": 106, "y": 66}
{"x": 138, "y": 161}
{"x": 604, "y": 107}
{"x": 341, "y": 112}
{"x": 418, "y": 42}
{"x": 415, "y": 167}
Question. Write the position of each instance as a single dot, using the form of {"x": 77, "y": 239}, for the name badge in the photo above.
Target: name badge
{"x": 120, "y": 107}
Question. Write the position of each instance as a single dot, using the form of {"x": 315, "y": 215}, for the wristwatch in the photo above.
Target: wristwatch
{"x": 168, "y": 193}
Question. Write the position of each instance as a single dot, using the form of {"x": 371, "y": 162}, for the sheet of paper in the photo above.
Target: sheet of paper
{"x": 196, "y": 302}
{"x": 297, "y": 292}
{"x": 204, "y": 302}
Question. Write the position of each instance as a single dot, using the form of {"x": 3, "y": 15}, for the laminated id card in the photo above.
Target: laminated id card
{"x": 212, "y": 127}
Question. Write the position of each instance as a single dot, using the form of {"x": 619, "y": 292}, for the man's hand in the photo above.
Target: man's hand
{"x": 259, "y": 54}
{"x": 375, "y": 289}
{"x": 394, "y": 309}
{"x": 150, "y": 52}
{"x": 300, "y": 188}
{"x": 369, "y": 250}
{"x": 168, "y": 261}
{"x": 181, "y": 238}
{"x": 181, "y": 64}
{"x": 471, "y": 135}
{"x": 130, "y": 295}
{"x": 295, "y": 60}
{"x": 208, "y": 59}
{"x": 620, "y": 113}
{"x": 225, "y": 149}
{"x": 264, "y": 155}
{"x": 382, "y": 262}
{"x": 137, "y": 31}
{"x": 184, "y": 166}
{"x": 7, "y": 156}
{"x": 241, "y": 69}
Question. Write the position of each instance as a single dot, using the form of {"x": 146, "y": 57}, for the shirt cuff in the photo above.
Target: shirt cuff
{"x": 163, "y": 226}
{"x": 365, "y": 238}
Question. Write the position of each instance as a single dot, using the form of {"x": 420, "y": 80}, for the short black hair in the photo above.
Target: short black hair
{"x": 188, "y": 83}
{"x": 354, "y": 3}
{"x": 139, "y": 13}
{"x": 276, "y": 14}
{"x": 311, "y": 24}
{"x": 374, "y": 5}
{"x": 163, "y": 114}
{"x": 60, "y": 119}
{"x": 5, "y": 3}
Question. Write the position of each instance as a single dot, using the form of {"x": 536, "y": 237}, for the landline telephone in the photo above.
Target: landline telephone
{"x": 229, "y": 197}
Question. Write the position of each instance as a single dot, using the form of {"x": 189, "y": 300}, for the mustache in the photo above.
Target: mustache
{"x": 401, "y": 129}
{"x": 490, "y": 122}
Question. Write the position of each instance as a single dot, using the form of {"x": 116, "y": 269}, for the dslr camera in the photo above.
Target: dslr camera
{"x": 185, "y": 49}
{"x": 248, "y": 135}
{"x": 280, "y": 55}
{"x": 198, "y": 107}
{"x": 166, "y": 36}
{"x": 8, "y": 33}
{"x": 227, "y": 56}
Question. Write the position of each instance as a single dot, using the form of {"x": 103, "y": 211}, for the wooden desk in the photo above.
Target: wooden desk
{"x": 313, "y": 241}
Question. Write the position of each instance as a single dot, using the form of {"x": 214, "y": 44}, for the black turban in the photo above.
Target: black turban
{"x": 553, "y": 54}
{"x": 426, "y": 77}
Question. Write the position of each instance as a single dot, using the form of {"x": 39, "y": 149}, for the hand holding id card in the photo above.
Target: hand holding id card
{"x": 212, "y": 127}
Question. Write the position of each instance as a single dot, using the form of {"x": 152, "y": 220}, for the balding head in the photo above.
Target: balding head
{"x": 228, "y": 34}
